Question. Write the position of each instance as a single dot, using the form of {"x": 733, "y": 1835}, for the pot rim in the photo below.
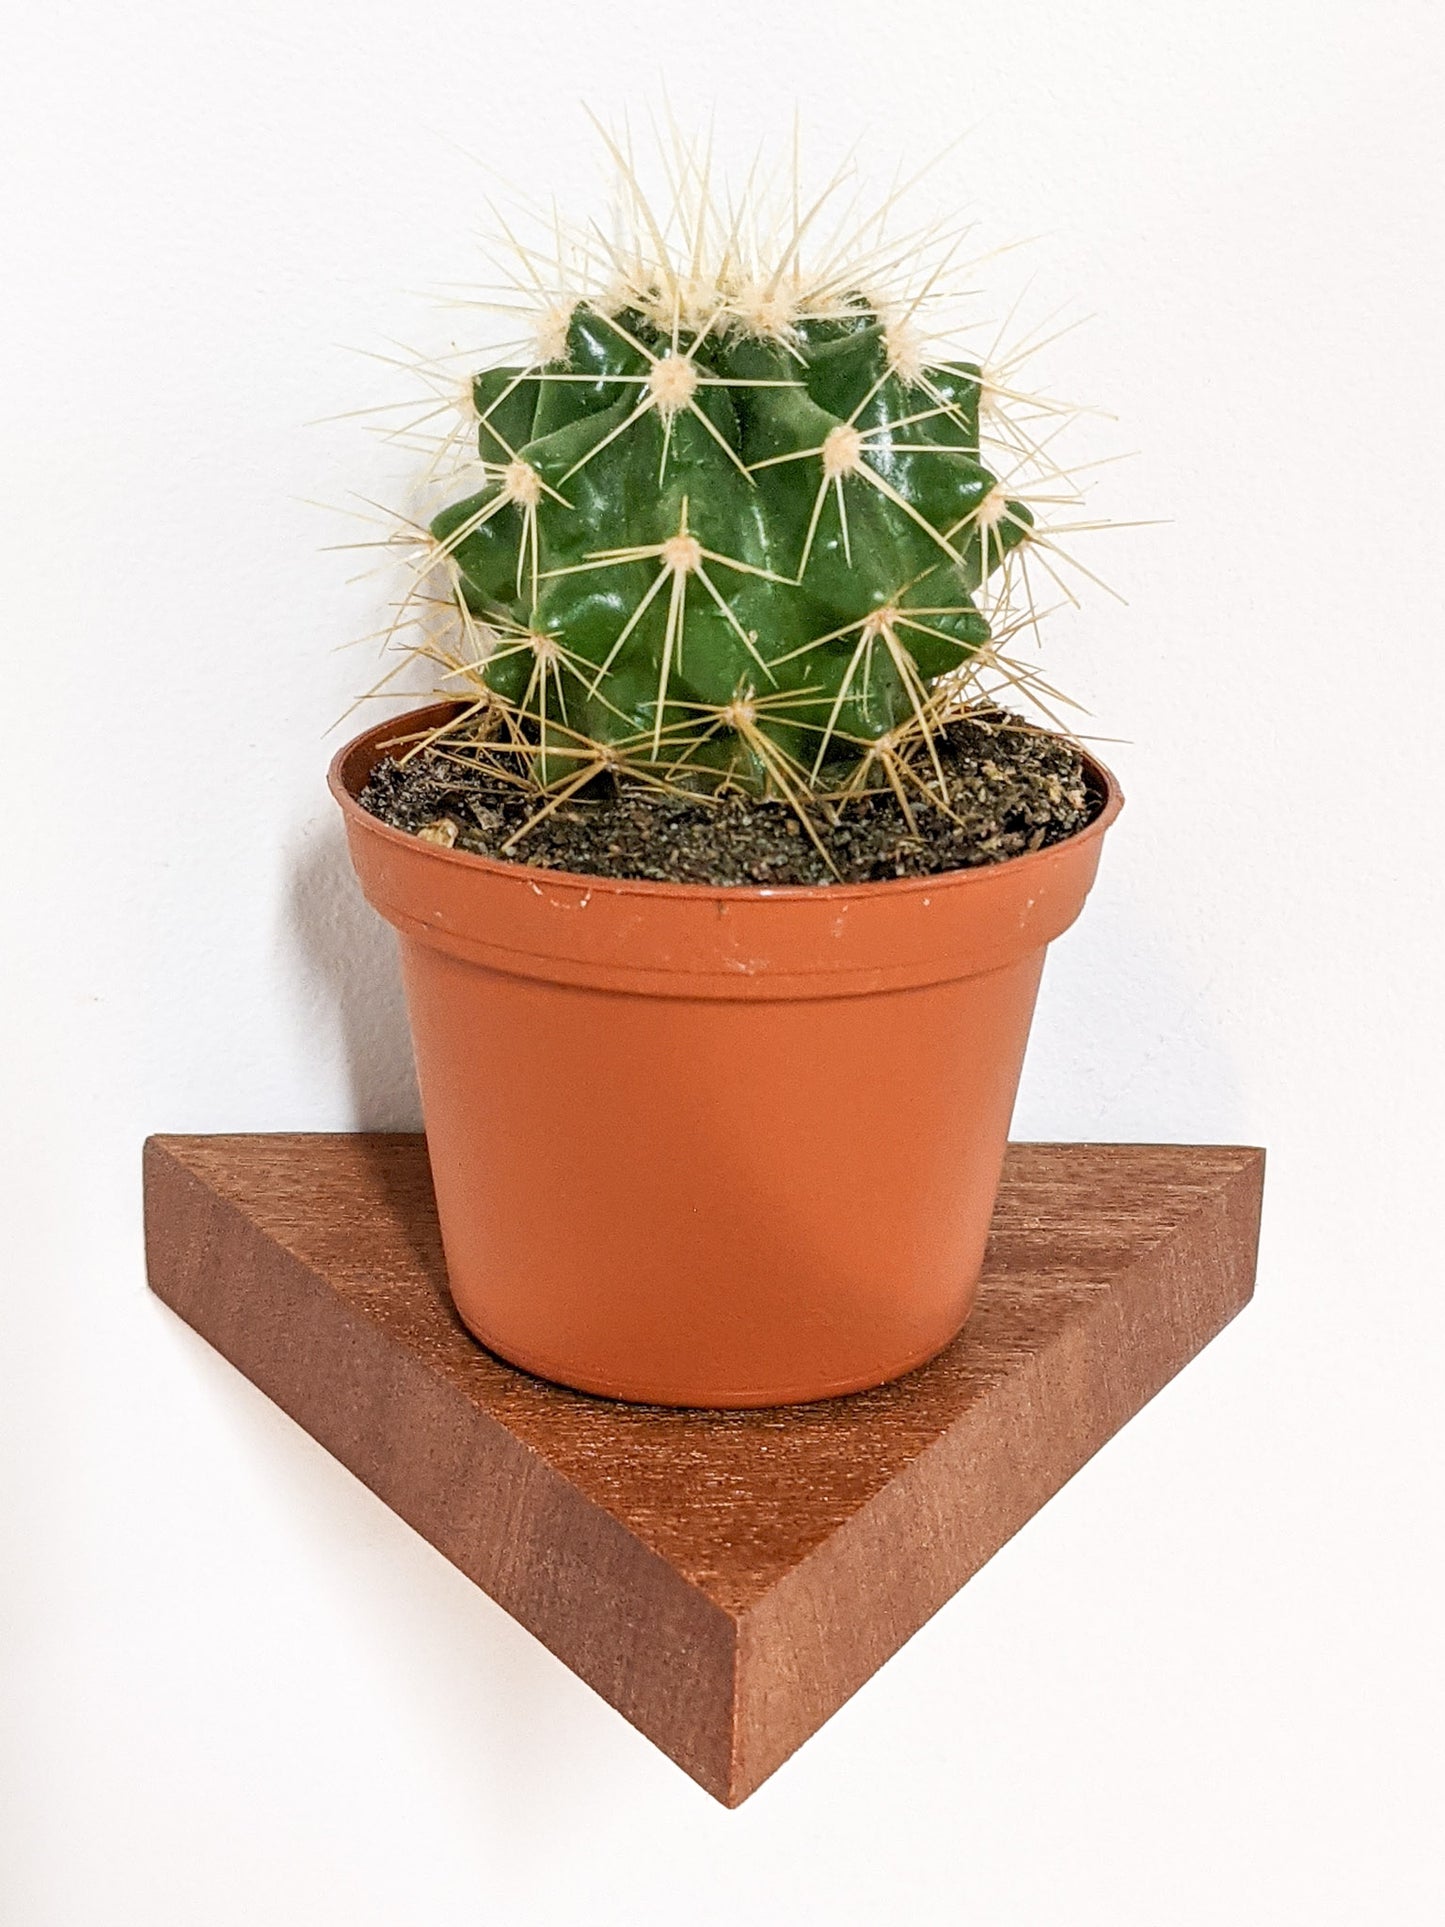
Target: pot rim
{"x": 647, "y": 887}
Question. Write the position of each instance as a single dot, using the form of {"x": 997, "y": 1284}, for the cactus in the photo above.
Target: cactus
{"x": 733, "y": 527}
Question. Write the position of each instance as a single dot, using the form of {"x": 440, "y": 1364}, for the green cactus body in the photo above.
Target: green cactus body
{"x": 725, "y": 553}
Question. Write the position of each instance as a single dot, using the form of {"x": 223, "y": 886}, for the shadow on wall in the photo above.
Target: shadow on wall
{"x": 351, "y": 982}
{"x": 1131, "y": 1039}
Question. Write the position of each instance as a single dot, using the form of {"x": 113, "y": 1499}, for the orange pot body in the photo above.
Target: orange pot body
{"x": 713, "y": 1147}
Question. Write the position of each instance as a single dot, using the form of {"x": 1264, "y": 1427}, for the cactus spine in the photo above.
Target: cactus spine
{"x": 729, "y": 526}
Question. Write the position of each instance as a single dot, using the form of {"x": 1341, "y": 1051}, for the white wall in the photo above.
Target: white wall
{"x": 1203, "y": 1686}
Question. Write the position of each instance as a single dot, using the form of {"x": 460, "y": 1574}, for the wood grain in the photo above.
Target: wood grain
{"x": 725, "y": 1580}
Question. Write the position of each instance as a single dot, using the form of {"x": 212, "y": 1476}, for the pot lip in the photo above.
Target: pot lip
{"x": 648, "y": 887}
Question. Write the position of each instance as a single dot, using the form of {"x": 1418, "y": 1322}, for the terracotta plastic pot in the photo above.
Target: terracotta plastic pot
{"x": 718, "y": 1147}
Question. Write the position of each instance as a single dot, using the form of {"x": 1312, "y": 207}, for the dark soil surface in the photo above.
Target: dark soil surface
{"x": 1012, "y": 788}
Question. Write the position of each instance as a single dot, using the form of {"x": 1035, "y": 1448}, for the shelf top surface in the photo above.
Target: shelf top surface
{"x": 731, "y": 1500}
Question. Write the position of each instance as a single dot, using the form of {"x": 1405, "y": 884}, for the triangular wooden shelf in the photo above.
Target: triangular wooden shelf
{"x": 725, "y": 1580}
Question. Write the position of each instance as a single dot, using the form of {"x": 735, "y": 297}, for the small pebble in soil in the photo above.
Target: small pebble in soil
{"x": 1011, "y": 788}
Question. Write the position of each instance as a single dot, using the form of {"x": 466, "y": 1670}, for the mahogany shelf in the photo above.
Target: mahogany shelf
{"x": 725, "y": 1580}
